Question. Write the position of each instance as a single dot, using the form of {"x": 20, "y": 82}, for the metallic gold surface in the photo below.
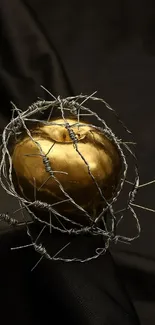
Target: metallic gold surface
{"x": 99, "y": 152}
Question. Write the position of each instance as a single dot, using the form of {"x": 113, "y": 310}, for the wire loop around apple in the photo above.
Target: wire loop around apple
{"x": 99, "y": 215}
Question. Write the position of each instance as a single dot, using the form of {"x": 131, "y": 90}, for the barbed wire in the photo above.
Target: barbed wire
{"x": 98, "y": 227}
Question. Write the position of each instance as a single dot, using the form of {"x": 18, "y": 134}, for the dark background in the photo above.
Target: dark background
{"x": 72, "y": 47}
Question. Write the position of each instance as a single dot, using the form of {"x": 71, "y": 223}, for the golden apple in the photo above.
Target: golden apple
{"x": 98, "y": 151}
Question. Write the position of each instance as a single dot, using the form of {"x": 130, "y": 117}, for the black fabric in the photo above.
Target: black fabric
{"x": 73, "y": 47}
{"x": 90, "y": 293}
